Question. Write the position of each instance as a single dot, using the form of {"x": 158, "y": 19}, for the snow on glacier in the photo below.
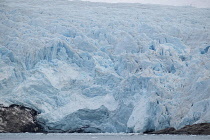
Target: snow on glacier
{"x": 106, "y": 67}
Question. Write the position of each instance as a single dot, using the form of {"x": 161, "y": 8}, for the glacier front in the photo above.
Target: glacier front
{"x": 99, "y": 67}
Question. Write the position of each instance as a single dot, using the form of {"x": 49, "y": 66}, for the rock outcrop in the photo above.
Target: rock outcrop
{"x": 195, "y": 129}
{"x": 17, "y": 119}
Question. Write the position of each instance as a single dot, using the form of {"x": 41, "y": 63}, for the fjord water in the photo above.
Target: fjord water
{"x": 66, "y": 136}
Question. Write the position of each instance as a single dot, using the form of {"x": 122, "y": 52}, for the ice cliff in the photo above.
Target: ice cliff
{"x": 106, "y": 67}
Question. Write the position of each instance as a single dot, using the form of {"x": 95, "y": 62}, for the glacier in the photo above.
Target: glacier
{"x": 102, "y": 67}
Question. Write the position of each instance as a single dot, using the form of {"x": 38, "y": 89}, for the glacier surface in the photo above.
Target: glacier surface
{"x": 99, "y": 67}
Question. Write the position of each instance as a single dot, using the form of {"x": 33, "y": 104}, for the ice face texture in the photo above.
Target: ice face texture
{"x": 106, "y": 67}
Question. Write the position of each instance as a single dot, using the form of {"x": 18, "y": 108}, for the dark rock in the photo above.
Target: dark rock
{"x": 164, "y": 131}
{"x": 17, "y": 118}
{"x": 195, "y": 129}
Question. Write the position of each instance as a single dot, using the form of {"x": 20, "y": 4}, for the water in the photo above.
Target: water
{"x": 67, "y": 136}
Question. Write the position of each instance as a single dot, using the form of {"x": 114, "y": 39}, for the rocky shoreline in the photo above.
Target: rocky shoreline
{"x": 17, "y": 119}
{"x": 20, "y": 119}
{"x": 195, "y": 129}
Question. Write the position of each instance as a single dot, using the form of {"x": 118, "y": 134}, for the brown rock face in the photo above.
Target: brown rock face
{"x": 164, "y": 131}
{"x": 16, "y": 119}
{"x": 195, "y": 129}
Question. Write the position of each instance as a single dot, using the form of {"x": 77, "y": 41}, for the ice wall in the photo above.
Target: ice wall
{"x": 93, "y": 67}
